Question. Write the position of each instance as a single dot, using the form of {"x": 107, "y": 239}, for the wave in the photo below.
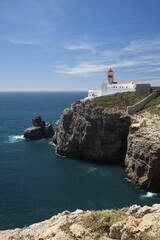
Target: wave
{"x": 52, "y": 143}
{"x": 92, "y": 169}
{"x": 149, "y": 195}
{"x": 16, "y": 138}
{"x": 59, "y": 154}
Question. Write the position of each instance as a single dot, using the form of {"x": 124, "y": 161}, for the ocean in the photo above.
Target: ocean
{"x": 36, "y": 183}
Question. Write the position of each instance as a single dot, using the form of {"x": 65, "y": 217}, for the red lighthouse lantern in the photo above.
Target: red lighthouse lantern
{"x": 110, "y": 76}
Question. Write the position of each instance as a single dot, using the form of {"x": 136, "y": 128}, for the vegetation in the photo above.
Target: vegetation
{"x": 145, "y": 236}
{"x": 100, "y": 221}
{"x": 118, "y": 100}
{"x": 153, "y": 106}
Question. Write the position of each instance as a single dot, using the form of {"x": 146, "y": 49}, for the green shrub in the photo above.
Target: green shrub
{"x": 153, "y": 106}
{"x": 118, "y": 100}
{"x": 100, "y": 221}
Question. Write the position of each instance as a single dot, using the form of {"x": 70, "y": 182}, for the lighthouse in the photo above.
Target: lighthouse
{"x": 110, "y": 76}
{"x": 110, "y": 87}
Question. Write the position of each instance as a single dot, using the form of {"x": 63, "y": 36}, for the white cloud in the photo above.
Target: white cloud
{"x": 145, "y": 61}
{"x": 110, "y": 54}
{"x": 81, "y": 46}
{"x": 123, "y": 64}
{"x": 82, "y": 68}
{"x": 143, "y": 45}
{"x": 88, "y": 68}
{"x": 24, "y": 41}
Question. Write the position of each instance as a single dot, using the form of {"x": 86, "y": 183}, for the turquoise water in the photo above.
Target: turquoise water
{"x": 35, "y": 183}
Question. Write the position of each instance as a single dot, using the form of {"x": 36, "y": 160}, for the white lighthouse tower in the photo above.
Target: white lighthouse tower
{"x": 110, "y": 76}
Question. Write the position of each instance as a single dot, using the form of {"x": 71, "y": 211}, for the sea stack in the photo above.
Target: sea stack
{"x": 40, "y": 129}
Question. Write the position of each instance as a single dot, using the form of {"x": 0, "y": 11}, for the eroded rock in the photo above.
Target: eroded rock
{"x": 72, "y": 225}
{"x": 88, "y": 131}
{"x": 142, "y": 161}
{"x": 33, "y": 133}
{"x": 39, "y": 130}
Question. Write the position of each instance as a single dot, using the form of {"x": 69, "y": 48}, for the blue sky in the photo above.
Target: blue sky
{"x": 59, "y": 45}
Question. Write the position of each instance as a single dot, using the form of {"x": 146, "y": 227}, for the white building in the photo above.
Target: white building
{"x": 111, "y": 87}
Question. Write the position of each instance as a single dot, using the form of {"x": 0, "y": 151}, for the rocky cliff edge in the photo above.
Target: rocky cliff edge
{"x": 133, "y": 223}
{"x": 88, "y": 131}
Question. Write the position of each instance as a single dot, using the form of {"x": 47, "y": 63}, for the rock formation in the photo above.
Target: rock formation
{"x": 88, "y": 131}
{"x": 142, "y": 161}
{"x": 135, "y": 222}
{"x": 39, "y": 130}
{"x": 92, "y": 132}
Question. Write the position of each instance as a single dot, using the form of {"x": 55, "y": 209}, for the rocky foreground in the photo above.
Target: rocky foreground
{"x": 139, "y": 223}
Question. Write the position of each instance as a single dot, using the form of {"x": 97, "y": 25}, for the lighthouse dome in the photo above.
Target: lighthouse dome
{"x": 110, "y": 70}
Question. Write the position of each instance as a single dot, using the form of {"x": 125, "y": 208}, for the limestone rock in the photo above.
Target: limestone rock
{"x": 115, "y": 230}
{"x": 70, "y": 226}
{"x": 88, "y": 131}
{"x": 143, "y": 156}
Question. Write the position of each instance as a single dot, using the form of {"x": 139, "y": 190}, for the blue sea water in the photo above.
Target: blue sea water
{"x": 35, "y": 183}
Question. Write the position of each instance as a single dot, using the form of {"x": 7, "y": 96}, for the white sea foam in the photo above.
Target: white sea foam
{"x": 149, "y": 195}
{"x": 92, "y": 169}
{"x": 59, "y": 154}
{"x": 16, "y": 138}
{"x": 52, "y": 143}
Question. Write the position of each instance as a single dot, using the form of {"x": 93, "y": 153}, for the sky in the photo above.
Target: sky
{"x": 68, "y": 45}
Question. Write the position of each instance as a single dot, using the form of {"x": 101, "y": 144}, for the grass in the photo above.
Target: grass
{"x": 145, "y": 236}
{"x": 153, "y": 106}
{"x": 100, "y": 221}
{"x": 118, "y": 100}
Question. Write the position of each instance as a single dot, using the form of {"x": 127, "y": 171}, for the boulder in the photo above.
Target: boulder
{"x": 37, "y": 121}
{"x": 39, "y": 130}
{"x": 33, "y": 133}
{"x": 88, "y": 131}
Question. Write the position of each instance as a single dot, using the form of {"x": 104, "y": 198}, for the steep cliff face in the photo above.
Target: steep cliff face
{"x": 92, "y": 132}
{"x": 142, "y": 161}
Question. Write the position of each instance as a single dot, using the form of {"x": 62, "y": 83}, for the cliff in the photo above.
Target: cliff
{"x": 99, "y": 130}
{"x": 92, "y": 132}
{"x": 142, "y": 162}
{"x": 134, "y": 223}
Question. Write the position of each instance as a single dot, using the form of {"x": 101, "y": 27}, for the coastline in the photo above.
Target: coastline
{"x": 142, "y": 124}
{"x": 132, "y": 223}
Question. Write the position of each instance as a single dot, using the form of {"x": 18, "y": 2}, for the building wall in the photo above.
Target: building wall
{"x": 142, "y": 89}
{"x": 138, "y": 106}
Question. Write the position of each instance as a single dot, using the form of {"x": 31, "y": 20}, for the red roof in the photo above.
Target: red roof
{"x": 130, "y": 82}
{"x": 110, "y": 70}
